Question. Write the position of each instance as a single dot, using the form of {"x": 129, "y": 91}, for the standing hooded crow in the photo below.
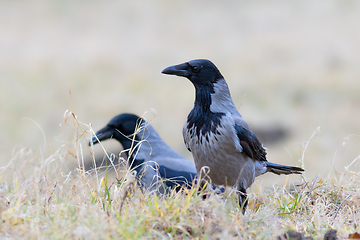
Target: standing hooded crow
{"x": 216, "y": 134}
{"x": 151, "y": 157}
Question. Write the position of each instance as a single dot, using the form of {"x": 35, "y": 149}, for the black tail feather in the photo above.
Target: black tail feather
{"x": 281, "y": 169}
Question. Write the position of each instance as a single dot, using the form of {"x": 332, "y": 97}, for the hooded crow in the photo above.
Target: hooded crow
{"x": 217, "y": 135}
{"x": 157, "y": 164}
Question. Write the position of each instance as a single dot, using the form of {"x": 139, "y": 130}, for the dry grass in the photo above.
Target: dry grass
{"x": 42, "y": 199}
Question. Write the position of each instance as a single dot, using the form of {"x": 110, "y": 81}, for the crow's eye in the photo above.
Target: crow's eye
{"x": 195, "y": 69}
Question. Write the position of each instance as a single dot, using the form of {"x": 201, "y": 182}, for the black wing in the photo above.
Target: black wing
{"x": 250, "y": 144}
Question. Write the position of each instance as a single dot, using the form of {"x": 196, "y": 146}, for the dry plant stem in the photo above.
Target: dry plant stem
{"x": 341, "y": 206}
{"x": 302, "y": 159}
{"x": 312, "y": 185}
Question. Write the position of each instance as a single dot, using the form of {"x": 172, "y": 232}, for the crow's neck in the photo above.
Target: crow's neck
{"x": 221, "y": 100}
{"x": 202, "y": 100}
{"x": 134, "y": 160}
{"x": 151, "y": 146}
{"x": 201, "y": 117}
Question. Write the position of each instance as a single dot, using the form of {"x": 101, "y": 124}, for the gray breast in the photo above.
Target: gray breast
{"x": 217, "y": 150}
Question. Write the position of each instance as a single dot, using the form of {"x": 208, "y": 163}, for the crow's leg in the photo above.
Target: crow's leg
{"x": 202, "y": 188}
{"x": 243, "y": 201}
{"x": 203, "y": 182}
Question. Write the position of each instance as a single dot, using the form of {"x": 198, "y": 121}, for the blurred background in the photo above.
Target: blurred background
{"x": 290, "y": 65}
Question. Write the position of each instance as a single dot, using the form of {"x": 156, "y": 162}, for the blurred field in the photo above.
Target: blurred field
{"x": 287, "y": 63}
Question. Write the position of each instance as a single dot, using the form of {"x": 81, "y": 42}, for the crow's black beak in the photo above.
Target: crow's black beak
{"x": 178, "y": 70}
{"x": 93, "y": 140}
{"x": 102, "y": 134}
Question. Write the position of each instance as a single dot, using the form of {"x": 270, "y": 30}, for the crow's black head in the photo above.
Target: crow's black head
{"x": 204, "y": 75}
{"x": 120, "y": 128}
{"x": 199, "y": 72}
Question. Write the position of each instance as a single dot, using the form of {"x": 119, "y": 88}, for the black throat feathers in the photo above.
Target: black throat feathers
{"x": 201, "y": 120}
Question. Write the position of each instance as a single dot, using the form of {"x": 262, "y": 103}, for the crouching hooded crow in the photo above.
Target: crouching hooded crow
{"x": 216, "y": 134}
{"x": 157, "y": 164}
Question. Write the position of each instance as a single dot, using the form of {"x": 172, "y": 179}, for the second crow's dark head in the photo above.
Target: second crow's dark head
{"x": 199, "y": 72}
{"x": 120, "y": 128}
